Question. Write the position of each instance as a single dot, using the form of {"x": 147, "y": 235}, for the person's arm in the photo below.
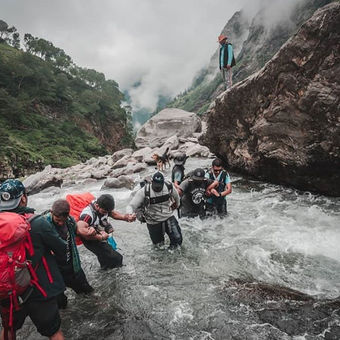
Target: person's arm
{"x": 50, "y": 238}
{"x": 227, "y": 191}
{"x": 123, "y": 217}
{"x": 136, "y": 202}
{"x": 230, "y": 55}
{"x": 227, "y": 187}
{"x": 87, "y": 232}
{"x": 175, "y": 196}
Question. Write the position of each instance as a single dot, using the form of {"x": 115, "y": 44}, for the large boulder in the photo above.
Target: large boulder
{"x": 157, "y": 130}
{"x": 282, "y": 124}
{"x": 41, "y": 180}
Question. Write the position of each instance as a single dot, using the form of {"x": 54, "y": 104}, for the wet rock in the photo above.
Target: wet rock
{"x": 286, "y": 309}
{"x": 141, "y": 154}
{"x": 119, "y": 182}
{"x": 42, "y": 180}
{"x": 282, "y": 124}
{"x": 123, "y": 162}
{"x": 120, "y": 154}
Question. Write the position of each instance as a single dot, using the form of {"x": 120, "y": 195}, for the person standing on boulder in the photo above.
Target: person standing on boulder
{"x": 226, "y": 60}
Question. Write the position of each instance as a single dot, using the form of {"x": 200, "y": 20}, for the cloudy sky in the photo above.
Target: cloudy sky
{"x": 160, "y": 44}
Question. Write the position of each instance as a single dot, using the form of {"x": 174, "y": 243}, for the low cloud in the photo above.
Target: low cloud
{"x": 158, "y": 44}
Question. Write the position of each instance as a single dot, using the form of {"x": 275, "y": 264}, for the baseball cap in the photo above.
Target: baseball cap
{"x": 198, "y": 174}
{"x": 180, "y": 159}
{"x": 222, "y": 37}
{"x": 10, "y": 194}
{"x": 157, "y": 181}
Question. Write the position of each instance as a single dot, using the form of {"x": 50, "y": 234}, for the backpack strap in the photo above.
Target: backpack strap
{"x": 158, "y": 199}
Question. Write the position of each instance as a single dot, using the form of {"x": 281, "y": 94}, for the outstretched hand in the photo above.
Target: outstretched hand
{"x": 130, "y": 217}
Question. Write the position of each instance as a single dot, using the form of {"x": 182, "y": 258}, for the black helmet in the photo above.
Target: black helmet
{"x": 180, "y": 159}
{"x": 106, "y": 202}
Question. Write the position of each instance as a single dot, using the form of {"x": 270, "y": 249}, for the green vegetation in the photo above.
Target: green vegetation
{"x": 51, "y": 110}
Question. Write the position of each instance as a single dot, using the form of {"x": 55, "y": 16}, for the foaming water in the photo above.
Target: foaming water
{"x": 272, "y": 234}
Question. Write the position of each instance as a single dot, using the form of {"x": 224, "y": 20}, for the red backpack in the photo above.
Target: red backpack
{"x": 16, "y": 272}
{"x": 77, "y": 203}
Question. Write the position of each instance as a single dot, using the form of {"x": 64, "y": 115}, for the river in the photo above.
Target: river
{"x": 272, "y": 235}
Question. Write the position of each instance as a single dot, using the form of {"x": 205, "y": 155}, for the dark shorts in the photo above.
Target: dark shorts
{"x": 77, "y": 282}
{"x": 218, "y": 206}
{"x": 43, "y": 313}
{"x": 107, "y": 256}
{"x": 170, "y": 227}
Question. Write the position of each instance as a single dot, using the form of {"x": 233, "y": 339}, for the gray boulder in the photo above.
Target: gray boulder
{"x": 282, "y": 124}
{"x": 119, "y": 182}
{"x": 169, "y": 122}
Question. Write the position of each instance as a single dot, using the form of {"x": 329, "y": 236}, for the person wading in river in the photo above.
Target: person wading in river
{"x": 65, "y": 225}
{"x": 218, "y": 203}
{"x": 159, "y": 200}
{"x": 39, "y": 301}
{"x": 95, "y": 215}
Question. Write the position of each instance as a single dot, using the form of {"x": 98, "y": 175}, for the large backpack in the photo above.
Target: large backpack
{"x": 16, "y": 272}
{"x": 140, "y": 213}
{"x": 77, "y": 204}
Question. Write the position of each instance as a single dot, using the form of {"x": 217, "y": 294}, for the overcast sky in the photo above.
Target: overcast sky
{"x": 162, "y": 43}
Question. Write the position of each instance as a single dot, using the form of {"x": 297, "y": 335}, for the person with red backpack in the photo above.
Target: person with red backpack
{"x": 65, "y": 225}
{"x": 38, "y": 297}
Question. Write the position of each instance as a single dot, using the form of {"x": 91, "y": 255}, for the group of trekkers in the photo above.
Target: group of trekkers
{"x": 37, "y": 265}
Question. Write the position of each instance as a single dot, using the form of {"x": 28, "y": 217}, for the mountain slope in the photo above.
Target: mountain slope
{"x": 55, "y": 115}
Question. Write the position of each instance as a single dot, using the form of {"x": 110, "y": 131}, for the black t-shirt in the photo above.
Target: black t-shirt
{"x": 193, "y": 199}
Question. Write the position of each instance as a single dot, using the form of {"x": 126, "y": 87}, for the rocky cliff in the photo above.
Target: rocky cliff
{"x": 282, "y": 124}
{"x": 255, "y": 40}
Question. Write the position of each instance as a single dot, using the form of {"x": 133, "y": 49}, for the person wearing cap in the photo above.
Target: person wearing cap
{"x": 43, "y": 311}
{"x": 193, "y": 191}
{"x": 65, "y": 225}
{"x": 226, "y": 60}
{"x": 160, "y": 200}
{"x": 218, "y": 203}
{"x": 178, "y": 169}
{"x": 95, "y": 216}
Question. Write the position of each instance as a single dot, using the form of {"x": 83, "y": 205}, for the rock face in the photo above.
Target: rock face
{"x": 165, "y": 124}
{"x": 282, "y": 124}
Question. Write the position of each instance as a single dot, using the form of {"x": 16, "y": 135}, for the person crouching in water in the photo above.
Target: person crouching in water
{"x": 193, "y": 191}
{"x": 95, "y": 216}
{"x": 218, "y": 204}
{"x": 178, "y": 169}
{"x": 65, "y": 225}
{"x": 159, "y": 200}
